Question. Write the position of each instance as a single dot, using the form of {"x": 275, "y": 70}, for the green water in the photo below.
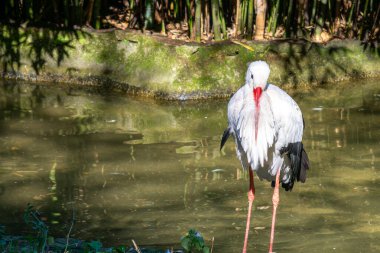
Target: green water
{"x": 127, "y": 168}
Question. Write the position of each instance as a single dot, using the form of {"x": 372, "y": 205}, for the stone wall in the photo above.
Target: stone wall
{"x": 150, "y": 65}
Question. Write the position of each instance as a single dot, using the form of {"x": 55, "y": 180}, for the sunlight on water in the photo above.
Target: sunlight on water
{"x": 146, "y": 170}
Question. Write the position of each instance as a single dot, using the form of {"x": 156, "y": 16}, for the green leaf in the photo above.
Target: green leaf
{"x": 185, "y": 243}
{"x": 96, "y": 245}
{"x": 121, "y": 249}
{"x": 206, "y": 249}
{"x": 194, "y": 242}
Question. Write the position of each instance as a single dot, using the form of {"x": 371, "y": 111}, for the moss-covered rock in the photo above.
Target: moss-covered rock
{"x": 153, "y": 66}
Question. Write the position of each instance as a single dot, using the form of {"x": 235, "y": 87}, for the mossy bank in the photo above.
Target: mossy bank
{"x": 150, "y": 65}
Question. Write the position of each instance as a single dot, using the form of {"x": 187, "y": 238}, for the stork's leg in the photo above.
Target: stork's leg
{"x": 275, "y": 201}
{"x": 251, "y": 197}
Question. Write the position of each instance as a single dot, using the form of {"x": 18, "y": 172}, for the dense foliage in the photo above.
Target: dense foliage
{"x": 318, "y": 20}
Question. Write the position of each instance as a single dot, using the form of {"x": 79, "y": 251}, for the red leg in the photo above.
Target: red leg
{"x": 251, "y": 197}
{"x": 275, "y": 201}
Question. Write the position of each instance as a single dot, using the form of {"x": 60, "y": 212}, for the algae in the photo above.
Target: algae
{"x": 150, "y": 65}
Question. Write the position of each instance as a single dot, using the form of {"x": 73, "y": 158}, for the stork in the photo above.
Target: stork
{"x": 267, "y": 126}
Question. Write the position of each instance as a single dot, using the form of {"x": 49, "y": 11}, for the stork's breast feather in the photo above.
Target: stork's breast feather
{"x": 256, "y": 150}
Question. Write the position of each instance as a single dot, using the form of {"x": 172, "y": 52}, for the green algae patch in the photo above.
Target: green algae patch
{"x": 309, "y": 64}
{"x": 152, "y": 65}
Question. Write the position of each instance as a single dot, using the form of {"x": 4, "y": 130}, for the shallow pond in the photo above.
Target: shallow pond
{"x": 126, "y": 168}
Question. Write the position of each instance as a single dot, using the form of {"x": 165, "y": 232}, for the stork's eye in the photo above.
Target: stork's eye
{"x": 251, "y": 76}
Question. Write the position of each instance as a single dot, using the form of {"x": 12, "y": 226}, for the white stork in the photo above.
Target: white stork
{"x": 267, "y": 126}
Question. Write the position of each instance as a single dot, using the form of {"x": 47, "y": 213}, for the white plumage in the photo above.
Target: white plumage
{"x": 267, "y": 126}
{"x": 280, "y": 124}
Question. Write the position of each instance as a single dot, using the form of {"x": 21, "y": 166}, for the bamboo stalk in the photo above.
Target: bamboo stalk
{"x": 329, "y": 13}
{"x": 243, "y": 20}
{"x": 163, "y": 29}
{"x": 272, "y": 23}
{"x": 260, "y": 7}
{"x": 293, "y": 15}
{"x": 88, "y": 14}
{"x": 364, "y": 19}
{"x": 198, "y": 31}
{"x": 270, "y": 19}
{"x": 175, "y": 11}
{"x": 215, "y": 19}
{"x": 207, "y": 17}
{"x": 189, "y": 17}
{"x": 250, "y": 19}
{"x": 375, "y": 19}
{"x": 365, "y": 8}
{"x": 237, "y": 17}
{"x": 319, "y": 21}
{"x": 306, "y": 18}
{"x": 313, "y": 12}
{"x": 66, "y": 12}
{"x": 289, "y": 19}
{"x": 222, "y": 20}
{"x": 96, "y": 19}
{"x": 349, "y": 21}
{"x": 148, "y": 18}
{"x": 274, "y": 26}
{"x": 355, "y": 23}
{"x": 162, "y": 14}
{"x": 338, "y": 4}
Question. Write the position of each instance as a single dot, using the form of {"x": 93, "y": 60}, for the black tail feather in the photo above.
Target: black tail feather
{"x": 305, "y": 164}
{"x": 226, "y": 134}
{"x": 299, "y": 163}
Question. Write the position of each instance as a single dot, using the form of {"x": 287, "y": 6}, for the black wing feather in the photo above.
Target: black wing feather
{"x": 299, "y": 163}
{"x": 226, "y": 134}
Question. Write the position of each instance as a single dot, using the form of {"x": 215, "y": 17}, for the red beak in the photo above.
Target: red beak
{"x": 256, "y": 96}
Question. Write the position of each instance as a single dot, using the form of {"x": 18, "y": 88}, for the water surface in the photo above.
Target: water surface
{"x": 126, "y": 168}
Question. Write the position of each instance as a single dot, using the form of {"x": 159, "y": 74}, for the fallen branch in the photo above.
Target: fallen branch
{"x": 136, "y": 247}
{"x": 243, "y": 45}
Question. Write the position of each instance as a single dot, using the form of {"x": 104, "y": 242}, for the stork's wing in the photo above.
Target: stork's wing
{"x": 290, "y": 125}
{"x": 226, "y": 134}
{"x": 288, "y": 117}
{"x": 299, "y": 164}
{"x": 234, "y": 107}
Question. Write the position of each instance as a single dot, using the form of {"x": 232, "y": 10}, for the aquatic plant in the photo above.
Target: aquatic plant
{"x": 32, "y": 217}
{"x": 194, "y": 242}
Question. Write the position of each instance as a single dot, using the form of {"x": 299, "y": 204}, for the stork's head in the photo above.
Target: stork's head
{"x": 257, "y": 74}
{"x": 257, "y": 77}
